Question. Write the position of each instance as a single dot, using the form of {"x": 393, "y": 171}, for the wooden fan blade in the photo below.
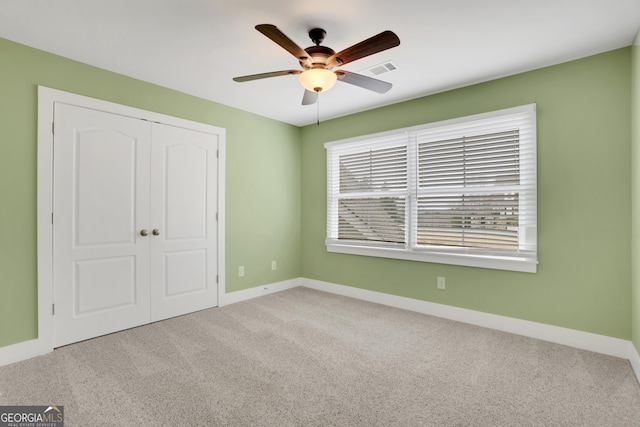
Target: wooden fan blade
{"x": 383, "y": 41}
{"x": 363, "y": 81}
{"x": 309, "y": 97}
{"x": 285, "y": 42}
{"x": 265, "y": 75}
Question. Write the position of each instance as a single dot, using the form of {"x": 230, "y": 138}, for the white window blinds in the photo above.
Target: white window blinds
{"x": 461, "y": 191}
{"x": 370, "y": 194}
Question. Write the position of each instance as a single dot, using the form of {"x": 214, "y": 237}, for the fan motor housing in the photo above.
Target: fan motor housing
{"x": 319, "y": 56}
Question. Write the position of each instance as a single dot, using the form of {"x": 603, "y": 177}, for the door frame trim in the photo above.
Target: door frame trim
{"x": 47, "y": 97}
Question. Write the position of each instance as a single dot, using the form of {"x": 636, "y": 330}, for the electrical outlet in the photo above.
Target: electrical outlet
{"x": 241, "y": 271}
{"x": 274, "y": 265}
{"x": 441, "y": 283}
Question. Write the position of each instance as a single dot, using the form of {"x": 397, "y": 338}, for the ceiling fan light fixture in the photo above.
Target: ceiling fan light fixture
{"x": 318, "y": 79}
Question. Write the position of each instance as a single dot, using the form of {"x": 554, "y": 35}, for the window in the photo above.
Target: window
{"x": 461, "y": 191}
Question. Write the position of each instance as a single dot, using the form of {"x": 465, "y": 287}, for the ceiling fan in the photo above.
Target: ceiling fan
{"x": 318, "y": 62}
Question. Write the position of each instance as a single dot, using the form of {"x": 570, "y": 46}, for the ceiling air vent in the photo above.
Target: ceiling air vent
{"x": 379, "y": 69}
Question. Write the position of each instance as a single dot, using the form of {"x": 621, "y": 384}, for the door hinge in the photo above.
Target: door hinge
{"x": 217, "y": 278}
{"x": 217, "y": 154}
{"x": 51, "y": 217}
{"x": 53, "y": 309}
{"x": 53, "y": 128}
{"x": 216, "y": 216}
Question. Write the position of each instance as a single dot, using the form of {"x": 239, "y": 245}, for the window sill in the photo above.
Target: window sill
{"x": 493, "y": 262}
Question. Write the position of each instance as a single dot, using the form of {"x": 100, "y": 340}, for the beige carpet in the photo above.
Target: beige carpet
{"x": 307, "y": 358}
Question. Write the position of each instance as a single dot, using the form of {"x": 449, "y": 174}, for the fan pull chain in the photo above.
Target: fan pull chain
{"x": 318, "y": 109}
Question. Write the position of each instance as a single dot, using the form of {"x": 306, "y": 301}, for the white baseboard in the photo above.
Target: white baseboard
{"x": 559, "y": 335}
{"x": 634, "y": 359}
{"x": 18, "y": 352}
{"x": 258, "y": 291}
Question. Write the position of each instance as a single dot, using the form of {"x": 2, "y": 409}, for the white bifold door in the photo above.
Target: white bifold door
{"x": 134, "y": 224}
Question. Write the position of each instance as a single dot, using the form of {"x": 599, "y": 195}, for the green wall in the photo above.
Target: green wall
{"x": 262, "y": 177}
{"x": 584, "y": 184}
{"x": 635, "y": 196}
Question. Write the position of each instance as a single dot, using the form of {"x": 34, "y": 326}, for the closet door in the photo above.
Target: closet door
{"x": 101, "y": 212}
{"x": 184, "y": 181}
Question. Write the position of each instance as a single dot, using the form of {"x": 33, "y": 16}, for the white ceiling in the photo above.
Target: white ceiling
{"x": 198, "y": 46}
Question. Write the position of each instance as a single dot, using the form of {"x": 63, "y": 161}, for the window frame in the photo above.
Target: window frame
{"x": 525, "y": 259}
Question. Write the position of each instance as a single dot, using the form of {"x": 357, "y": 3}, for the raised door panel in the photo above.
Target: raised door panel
{"x": 185, "y": 194}
{"x": 105, "y": 187}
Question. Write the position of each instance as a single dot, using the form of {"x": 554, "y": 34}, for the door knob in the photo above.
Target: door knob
{"x": 144, "y": 233}
{"x": 155, "y": 232}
